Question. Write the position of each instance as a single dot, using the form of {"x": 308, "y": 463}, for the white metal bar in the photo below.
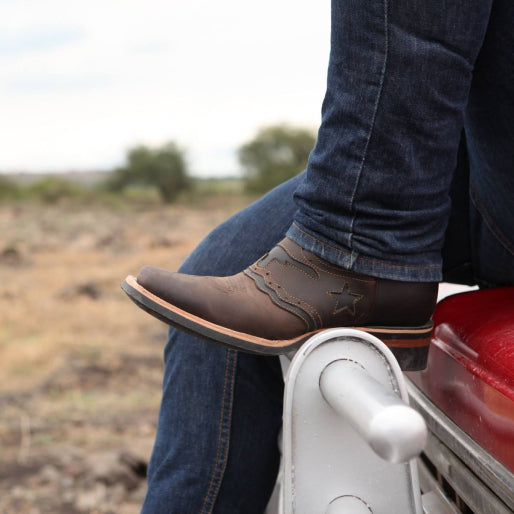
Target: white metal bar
{"x": 396, "y": 432}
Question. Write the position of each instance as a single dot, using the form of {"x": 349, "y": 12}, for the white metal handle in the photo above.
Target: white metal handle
{"x": 396, "y": 432}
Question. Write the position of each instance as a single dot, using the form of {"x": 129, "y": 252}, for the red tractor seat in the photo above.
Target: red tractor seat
{"x": 470, "y": 372}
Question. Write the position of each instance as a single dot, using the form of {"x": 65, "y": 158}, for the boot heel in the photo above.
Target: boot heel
{"x": 409, "y": 344}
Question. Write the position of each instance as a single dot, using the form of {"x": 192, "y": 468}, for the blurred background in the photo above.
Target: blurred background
{"x": 129, "y": 129}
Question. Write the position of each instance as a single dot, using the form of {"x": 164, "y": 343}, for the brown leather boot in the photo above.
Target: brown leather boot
{"x": 288, "y": 295}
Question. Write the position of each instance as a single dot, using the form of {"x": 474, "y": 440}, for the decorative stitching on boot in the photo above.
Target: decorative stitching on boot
{"x": 298, "y": 301}
{"x": 325, "y": 267}
{"x": 277, "y": 300}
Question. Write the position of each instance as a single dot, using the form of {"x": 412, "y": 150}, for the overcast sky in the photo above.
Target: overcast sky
{"x": 82, "y": 81}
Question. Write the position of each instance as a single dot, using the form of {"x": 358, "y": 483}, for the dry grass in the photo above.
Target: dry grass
{"x": 56, "y": 260}
{"x": 80, "y": 364}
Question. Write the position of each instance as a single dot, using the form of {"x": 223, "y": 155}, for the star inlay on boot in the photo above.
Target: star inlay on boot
{"x": 276, "y": 304}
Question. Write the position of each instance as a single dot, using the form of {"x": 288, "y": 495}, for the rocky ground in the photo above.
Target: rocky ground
{"x": 81, "y": 366}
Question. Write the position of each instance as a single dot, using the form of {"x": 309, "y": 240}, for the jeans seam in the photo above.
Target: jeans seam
{"x": 360, "y": 257}
{"x": 494, "y": 229}
{"x": 222, "y": 445}
{"x": 373, "y": 118}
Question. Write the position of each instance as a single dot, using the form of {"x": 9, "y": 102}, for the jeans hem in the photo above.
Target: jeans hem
{"x": 359, "y": 263}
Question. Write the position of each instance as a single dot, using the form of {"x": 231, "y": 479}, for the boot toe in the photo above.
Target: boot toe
{"x": 151, "y": 278}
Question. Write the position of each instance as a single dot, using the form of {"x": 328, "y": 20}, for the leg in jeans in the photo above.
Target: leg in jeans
{"x": 215, "y": 449}
{"x": 221, "y": 412}
{"x": 479, "y": 243}
{"x": 374, "y": 202}
{"x": 376, "y": 196}
{"x": 216, "y": 444}
{"x": 489, "y": 125}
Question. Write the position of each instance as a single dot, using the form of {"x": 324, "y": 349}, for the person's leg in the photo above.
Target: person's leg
{"x": 376, "y": 195}
{"x": 216, "y": 445}
{"x": 193, "y": 460}
{"x": 489, "y": 124}
{"x": 374, "y": 201}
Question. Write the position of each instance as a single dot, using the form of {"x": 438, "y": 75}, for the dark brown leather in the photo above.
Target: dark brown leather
{"x": 291, "y": 291}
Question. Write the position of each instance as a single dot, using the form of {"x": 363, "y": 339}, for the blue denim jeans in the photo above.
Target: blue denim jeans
{"x": 376, "y": 199}
{"x": 403, "y": 114}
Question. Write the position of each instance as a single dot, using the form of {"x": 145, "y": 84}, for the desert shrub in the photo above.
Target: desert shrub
{"x": 164, "y": 168}
{"x": 54, "y": 189}
{"x": 9, "y": 189}
{"x": 276, "y": 154}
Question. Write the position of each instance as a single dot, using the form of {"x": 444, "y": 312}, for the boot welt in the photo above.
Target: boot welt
{"x": 408, "y": 344}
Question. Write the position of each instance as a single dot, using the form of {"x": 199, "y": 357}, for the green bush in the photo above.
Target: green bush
{"x": 9, "y": 190}
{"x": 54, "y": 189}
{"x": 276, "y": 154}
{"x": 163, "y": 168}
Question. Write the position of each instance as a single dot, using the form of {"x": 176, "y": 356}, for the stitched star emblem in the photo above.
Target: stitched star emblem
{"x": 345, "y": 299}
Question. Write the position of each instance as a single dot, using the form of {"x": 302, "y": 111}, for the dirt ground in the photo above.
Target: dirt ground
{"x": 80, "y": 365}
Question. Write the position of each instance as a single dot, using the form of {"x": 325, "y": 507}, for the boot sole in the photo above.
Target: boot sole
{"x": 408, "y": 344}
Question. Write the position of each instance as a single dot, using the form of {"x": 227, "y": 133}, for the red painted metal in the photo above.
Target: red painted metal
{"x": 470, "y": 372}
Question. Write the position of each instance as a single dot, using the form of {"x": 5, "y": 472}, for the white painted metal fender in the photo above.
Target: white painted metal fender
{"x": 349, "y": 438}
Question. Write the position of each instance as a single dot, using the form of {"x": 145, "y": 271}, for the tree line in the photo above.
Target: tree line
{"x": 275, "y": 154}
